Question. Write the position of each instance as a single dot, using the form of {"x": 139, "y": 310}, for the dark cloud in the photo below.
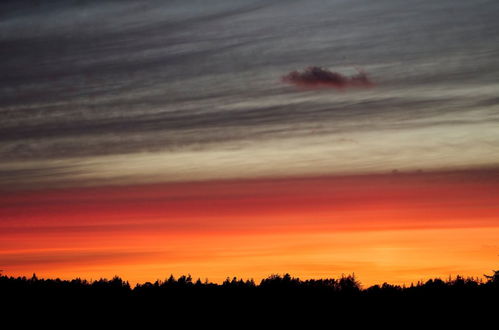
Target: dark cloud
{"x": 317, "y": 77}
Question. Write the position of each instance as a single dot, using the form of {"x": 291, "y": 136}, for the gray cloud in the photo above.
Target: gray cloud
{"x": 83, "y": 79}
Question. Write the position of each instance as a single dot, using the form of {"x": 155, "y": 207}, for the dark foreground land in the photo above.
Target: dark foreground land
{"x": 276, "y": 296}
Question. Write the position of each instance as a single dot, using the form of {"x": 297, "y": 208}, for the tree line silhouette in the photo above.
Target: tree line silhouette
{"x": 346, "y": 285}
{"x": 278, "y": 297}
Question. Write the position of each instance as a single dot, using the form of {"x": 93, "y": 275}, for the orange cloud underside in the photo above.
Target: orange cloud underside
{"x": 396, "y": 228}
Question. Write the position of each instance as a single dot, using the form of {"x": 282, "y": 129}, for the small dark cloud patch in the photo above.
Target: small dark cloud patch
{"x": 317, "y": 77}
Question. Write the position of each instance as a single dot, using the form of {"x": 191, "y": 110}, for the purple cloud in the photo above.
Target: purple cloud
{"x": 317, "y": 77}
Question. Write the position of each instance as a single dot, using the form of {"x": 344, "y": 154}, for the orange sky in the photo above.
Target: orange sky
{"x": 397, "y": 228}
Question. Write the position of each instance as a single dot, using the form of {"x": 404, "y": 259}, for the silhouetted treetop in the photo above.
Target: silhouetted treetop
{"x": 346, "y": 285}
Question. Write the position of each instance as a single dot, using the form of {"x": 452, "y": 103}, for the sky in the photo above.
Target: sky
{"x": 149, "y": 138}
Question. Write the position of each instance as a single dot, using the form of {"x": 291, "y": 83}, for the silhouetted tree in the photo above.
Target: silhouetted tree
{"x": 493, "y": 280}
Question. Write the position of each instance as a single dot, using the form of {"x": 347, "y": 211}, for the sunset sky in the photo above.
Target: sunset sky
{"x": 149, "y": 138}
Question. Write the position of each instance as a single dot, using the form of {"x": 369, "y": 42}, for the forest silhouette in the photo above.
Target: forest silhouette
{"x": 281, "y": 298}
{"x": 345, "y": 287}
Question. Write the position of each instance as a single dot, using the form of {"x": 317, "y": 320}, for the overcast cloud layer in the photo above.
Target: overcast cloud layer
{"x": 134, "y": 91}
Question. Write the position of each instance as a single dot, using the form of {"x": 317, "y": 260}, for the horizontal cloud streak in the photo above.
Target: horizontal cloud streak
{"x": 188, "y": 206}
